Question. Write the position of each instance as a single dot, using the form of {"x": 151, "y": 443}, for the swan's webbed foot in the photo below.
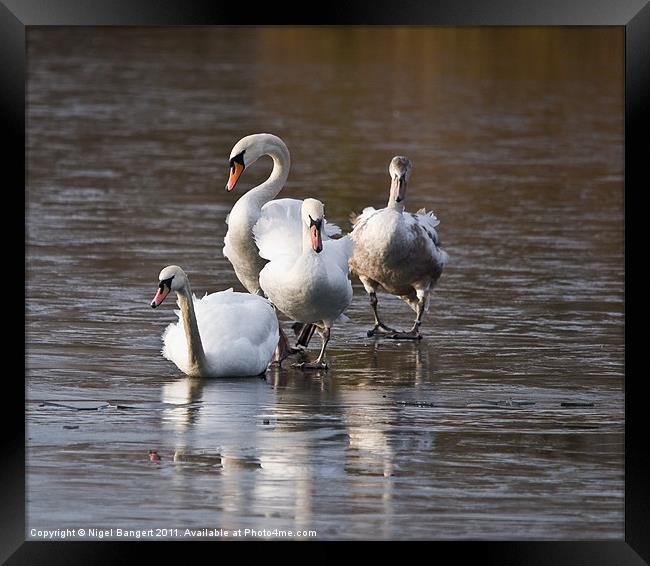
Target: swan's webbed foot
{"x": 319, "y": 362}
{"x": 380, "y": 328}
{"x": 410, "y": 335}
{"x": 282, "y": 354}
{"x": 413, "y": 334}
{"x": 310, "y": 365}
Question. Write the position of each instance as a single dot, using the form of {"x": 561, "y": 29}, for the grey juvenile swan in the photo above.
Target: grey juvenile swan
{"x": 397, "y": 251}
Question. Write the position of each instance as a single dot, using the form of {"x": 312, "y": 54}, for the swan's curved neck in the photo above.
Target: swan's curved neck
{"x": 270, "y": 188}
{"x": 194, "y": 344}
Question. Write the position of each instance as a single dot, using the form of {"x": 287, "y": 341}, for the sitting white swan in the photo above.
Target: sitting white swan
{"x": 398, "y": 251}
{"x": 307, "y": 274}
{"x": 220, "y": 335}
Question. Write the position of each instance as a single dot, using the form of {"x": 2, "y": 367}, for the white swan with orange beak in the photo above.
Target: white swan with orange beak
{"x": 239, "y": 245}
{"x": 224, "y": 334}
{"x": 307, "y": 274}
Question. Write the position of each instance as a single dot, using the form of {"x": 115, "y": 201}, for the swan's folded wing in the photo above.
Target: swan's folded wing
{"x": 278, "y": 230}
{"x": 428, "y": 217}
{"x": 330, "y": 230}
{"x": 426, "y": 223}
{"x": 234, "y": 316}
{"x": 338, "y": 252}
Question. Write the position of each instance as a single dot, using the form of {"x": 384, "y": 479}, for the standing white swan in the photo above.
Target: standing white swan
{"x": 240, "y": 248}
{"x": 398, "y": 251}
{"x": 307, "y": 274}
{"x": 220, "y": 335}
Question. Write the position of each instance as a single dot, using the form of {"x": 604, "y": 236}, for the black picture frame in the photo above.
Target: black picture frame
{"x": 633, "y": 15}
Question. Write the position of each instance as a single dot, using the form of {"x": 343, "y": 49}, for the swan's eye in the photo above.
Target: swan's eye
{"x": 239, "y": 158}
{"x": 318, "y": 223}
{"x": 166, "y": 283}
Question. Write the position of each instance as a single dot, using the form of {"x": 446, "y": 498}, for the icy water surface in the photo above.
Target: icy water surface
{"x": 505, "y": 421}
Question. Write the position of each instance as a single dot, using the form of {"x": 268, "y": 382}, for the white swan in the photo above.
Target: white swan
{"x": 307, "y": 273}
{"x": 398, "y": 251}
{"x": 220, "y": 335}
{"x": 240, "y": 248}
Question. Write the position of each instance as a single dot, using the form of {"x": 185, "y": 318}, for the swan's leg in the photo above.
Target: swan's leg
{"x": 283, "y": 350}
{"x": 419, "y": 306}
{"x": 303, "y": 332}
{"x": 371, "y": 288}
{"x": 380, "y": 327}
{"x": 319, "y": 363}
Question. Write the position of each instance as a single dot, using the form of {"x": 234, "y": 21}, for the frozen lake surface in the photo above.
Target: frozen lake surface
{"x": 506, "y": 421}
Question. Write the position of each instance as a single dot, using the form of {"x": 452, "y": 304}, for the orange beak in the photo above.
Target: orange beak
{"x": 316, "y": 240}
{"x": 161, "y": 293}
{"x": 235, "y": 172}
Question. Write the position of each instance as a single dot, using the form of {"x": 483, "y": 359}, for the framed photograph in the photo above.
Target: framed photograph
{"x": 410, "y": 241}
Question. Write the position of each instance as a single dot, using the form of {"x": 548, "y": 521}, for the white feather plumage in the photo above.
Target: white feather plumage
{"x": 239, "y": 334}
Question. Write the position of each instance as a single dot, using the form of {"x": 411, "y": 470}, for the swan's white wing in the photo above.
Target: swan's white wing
{"x": 337, "y": 253}
{"x": 330, "y": 230}
{"x": 239, "y": 333}
{"x": 233, "y": 315}
{"x": 278, "y": 232}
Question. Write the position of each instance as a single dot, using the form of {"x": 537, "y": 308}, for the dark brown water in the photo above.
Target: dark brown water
{"x": 516, "y": 136}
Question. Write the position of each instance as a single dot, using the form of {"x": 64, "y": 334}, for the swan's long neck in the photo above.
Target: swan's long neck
{"x": 396, "y": 206}
{"x": 194, "y": 345}
{"x": 392, "y": 198}
{"x": 270, "y": 188}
